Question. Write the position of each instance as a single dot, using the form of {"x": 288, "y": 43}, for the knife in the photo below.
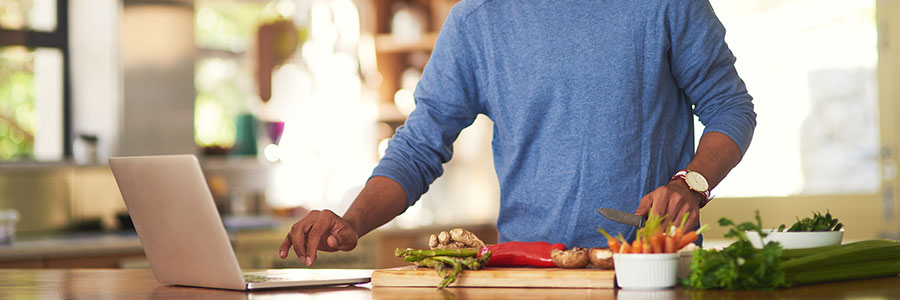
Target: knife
{"x": 623, "y": 217}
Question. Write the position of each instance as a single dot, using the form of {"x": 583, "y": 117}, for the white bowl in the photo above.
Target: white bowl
{"x": 646, "y": 271}
{"x": 685, "y": 259}
{"x": 632, "y": 294}
{"x": 797, "y": 240}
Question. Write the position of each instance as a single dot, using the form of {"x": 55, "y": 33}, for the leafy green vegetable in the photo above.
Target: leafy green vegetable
{"x": 738, "y": 266}
{"x": 742, "y": 267}
{"x": 818, "y": 222}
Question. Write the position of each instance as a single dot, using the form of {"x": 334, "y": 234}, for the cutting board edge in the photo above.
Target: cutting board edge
{"x": 538, "y": 278}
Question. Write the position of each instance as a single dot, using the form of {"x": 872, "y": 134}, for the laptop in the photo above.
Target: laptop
{"x": 183, "y": 236}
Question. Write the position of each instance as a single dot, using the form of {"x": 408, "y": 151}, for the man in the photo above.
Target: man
{"x": 592, "y": 104}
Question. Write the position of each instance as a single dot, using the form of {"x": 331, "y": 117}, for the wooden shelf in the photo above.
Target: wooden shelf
{"x": 385, "y": 43}
{"x": 394, "y": 56}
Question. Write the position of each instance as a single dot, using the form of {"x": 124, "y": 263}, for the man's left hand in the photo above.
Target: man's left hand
{"x": 673, "y": 201}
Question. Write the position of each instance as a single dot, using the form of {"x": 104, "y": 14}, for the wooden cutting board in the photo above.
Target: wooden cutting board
{"x": 412, "y": 276}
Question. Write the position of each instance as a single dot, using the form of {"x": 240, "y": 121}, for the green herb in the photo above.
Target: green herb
{"x": 738, "y": 266}
{"x": 742, "y": 267}
{"x": 818, "y": 222}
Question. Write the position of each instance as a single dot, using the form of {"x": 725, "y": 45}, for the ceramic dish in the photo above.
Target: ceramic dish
{"x": 646, "y": 271}
{"x": 797, "y": 240}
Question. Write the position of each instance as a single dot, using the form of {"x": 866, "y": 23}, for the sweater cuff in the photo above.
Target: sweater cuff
{"x": 742, "y": 140}
{"x": 390, "y": 169}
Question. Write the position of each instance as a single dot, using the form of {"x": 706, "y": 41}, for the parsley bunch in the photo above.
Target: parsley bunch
{"x": 739, "y": 266}
{"x": 818, "y": 222}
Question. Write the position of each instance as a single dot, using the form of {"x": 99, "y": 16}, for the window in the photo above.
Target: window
{"x": 33, "y": 15}
{"x": 33, "y": 80}
{"x": 224, "y": 30}
{"x": 811, "y": 68}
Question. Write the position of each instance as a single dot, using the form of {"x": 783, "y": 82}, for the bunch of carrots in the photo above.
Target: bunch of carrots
{"x": 655, "y": 238}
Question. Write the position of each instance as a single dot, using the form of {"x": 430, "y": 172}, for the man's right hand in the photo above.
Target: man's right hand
{"x": 319, "y": 230}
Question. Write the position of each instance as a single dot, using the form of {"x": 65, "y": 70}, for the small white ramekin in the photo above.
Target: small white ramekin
{"x": 685, "y": 259}
{"x": 646, "y": 271}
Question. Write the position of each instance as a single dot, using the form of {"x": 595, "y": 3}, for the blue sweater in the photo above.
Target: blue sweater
{"x": 592, "y": 104}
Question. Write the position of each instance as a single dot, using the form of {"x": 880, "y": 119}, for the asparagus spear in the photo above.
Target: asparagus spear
{"x": 449, "y": 277}
{"x": 448, "y": 263}
{"x": 420, "y": 253}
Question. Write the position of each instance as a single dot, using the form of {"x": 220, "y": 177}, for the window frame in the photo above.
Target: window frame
{"x": 56, "y": 39}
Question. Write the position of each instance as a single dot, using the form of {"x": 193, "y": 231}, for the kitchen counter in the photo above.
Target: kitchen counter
{"x": 140, "y": 284}
{"x": 87, "y": 250}
{"x": 255, "y": 242}
{"x": 72, "y": 245}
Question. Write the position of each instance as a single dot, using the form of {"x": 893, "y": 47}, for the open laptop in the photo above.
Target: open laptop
{"x": 183, "y": 236}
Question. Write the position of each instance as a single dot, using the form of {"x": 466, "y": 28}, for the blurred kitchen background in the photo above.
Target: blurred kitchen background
{"x": 289, "y": 105}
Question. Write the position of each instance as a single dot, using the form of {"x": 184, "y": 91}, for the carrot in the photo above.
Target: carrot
{"x": 649, "y": 237}
{"x": 610, "y": 241}
{"x": 613, "y": 245}
{"x": 669, "y": 244}
{"x": 637, "y": 246}
{"x": 626, "y": 248}
{"x": 692, "y": 236}
{"x": 688, "y": 238}
{"x": 656, "y": 241}
{"x": 679, "y": 232}
{"x": 645, "y": 234}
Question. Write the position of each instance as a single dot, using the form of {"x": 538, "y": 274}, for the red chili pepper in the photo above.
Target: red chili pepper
{"x": 521, "y": 254}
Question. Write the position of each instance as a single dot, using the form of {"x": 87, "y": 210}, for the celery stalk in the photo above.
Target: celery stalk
{"x": 848, "y": 254}
{"x": 870, "y": 269}
{"x": 795, "y": 253}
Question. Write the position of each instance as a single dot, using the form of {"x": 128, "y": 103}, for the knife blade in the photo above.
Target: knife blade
{"x": 623, "y": 217}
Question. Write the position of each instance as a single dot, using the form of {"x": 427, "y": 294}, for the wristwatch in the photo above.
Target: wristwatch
{"x": 697, "y": 183}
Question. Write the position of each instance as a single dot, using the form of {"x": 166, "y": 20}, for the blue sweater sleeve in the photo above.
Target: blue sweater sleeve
{"x": 703, "y": 67}
{"x": 445, "y": 104}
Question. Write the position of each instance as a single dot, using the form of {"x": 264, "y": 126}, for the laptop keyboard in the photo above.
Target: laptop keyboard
{"x": 250, "y": 278}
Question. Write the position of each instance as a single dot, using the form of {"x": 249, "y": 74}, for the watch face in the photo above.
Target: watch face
{"x": 696, "y": 181}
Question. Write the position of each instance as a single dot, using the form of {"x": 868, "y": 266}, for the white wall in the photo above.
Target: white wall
{"x": 96, "y": 75}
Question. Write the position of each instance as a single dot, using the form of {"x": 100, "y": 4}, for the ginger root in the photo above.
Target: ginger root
{"x": 432, "y": 241}
{"x": 444, "y": 237}
{"x": 454, "y": 239}
{"x": 466, "y": 237}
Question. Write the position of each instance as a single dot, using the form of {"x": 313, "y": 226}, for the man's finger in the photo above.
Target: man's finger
{"x": 285, "y": 246}
{"x": 644, "y": 206}
{"x": 332, "y": 242}
{"x": 684, "y": 210}
{"x": 673, "y": 211}
{"x": 344, "y": 240}
{"x": 300, "y": 239}
{"x": 660, "y": 203}
{"x": 694, "y": 219}
{"x": 314, "y": 238}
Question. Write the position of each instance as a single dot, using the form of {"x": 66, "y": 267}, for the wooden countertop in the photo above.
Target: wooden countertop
{"x": 140, "y": 284}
